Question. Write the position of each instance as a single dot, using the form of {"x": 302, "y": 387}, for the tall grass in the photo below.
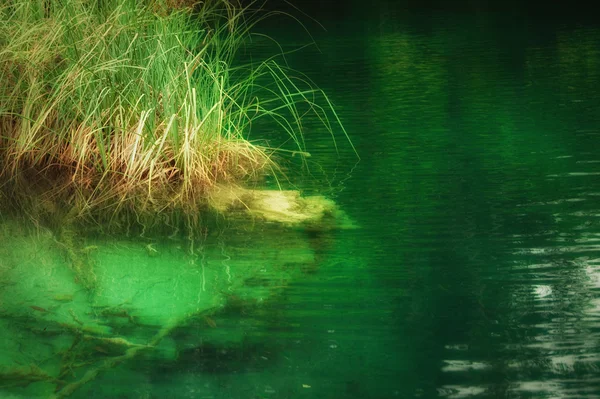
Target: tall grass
{"x": 124, "y": 107}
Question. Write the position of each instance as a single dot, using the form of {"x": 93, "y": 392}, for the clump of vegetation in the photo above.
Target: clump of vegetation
{"x": 119, "y": 110}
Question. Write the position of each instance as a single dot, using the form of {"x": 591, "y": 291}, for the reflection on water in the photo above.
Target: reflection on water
{"x": 476, "y": 271}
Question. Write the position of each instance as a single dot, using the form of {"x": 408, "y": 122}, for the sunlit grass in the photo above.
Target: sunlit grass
{"x": 119, "y": 107}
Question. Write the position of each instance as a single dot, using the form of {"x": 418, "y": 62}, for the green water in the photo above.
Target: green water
{"x": 476, "y": 268}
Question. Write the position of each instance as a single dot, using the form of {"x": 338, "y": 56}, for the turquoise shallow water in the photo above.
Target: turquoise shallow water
{"x": 476, "y": 268}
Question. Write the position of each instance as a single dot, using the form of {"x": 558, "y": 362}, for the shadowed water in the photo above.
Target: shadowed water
{"x": 476, "y": 269}
{"x": 478, "y": 192}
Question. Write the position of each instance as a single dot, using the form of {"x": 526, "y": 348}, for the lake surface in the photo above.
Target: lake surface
{"x": 476, "y": 268}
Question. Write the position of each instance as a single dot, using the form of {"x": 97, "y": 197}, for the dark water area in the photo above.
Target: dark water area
{"x": 477, "y": 192}
{"x": 476, "y": 268}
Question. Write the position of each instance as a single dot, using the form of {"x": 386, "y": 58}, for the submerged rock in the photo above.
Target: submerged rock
{"x": 286, "y": 207}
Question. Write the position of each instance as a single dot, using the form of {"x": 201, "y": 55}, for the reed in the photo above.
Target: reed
{"x": 119, "y": 107}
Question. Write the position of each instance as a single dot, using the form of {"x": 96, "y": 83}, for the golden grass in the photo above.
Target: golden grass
{"x": 136, "y": 108}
